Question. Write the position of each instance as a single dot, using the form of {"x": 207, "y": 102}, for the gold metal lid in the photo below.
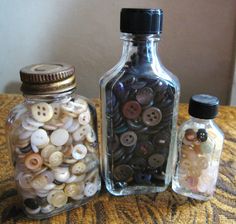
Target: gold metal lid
{"x": 51, "y": 78}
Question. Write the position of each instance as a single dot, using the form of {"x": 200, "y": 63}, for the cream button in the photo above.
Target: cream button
{"x": 56, "y": 110}
{"x": 76, "y": 178}
{"x": 59, "y": 137}
{"x": 56, "y": 159}
{"x": 90, "y": 189}
{"x": 72, "y": 189}
{"x": 78, "y": 168}
{"x": 39, "y": 138}
{"x": 47, "y": 151}
{"x": 39, "y": 182}
{"x": 78, "y": 197}
{"x": 57, "y": 198}
{"x": 84, "y": 118}
{"x": 61, "y": 173}
{"x": 80, "y": 105}
{"x": 91, "y": 136}
{"x": 42, "y": 112}
{"x": 81, "y": 133}
{"x": 79, "y": 151}
{"x": 25, "y": 180}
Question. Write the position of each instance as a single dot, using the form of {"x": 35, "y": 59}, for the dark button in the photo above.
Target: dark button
{"x": 142, "y": 178}
{"x": 138, "y": 163}
{"x": 31, "y": 203}
{"x": 131, "y": 109}
{"x": 128, "y": 138}
{"x": 145, "y": 96}
{"x": 202, "y": 135}
{"x": 119, "y": 89}
{"x": 123, "y": 173}
{"x": 118, "y": 154}
{"x": 190, "y": 134}
{"x": 144, "y": 149}
{"x": 139, "y": 85}
{"x": 161, "y": 139}
{"x": 128, "y": 80}
{"x": 26, "y": 149}
{"x": 156, "y": 160}
{"x": 120, "y": 184}
{"x": 121, "y": 128}
{"x": 152, "y": 116}
{"x": 135, "y": 125}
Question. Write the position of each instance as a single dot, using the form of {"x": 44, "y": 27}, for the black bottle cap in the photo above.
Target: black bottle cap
{"x": 141, "y": 21}
{"x": 203, "y": 106}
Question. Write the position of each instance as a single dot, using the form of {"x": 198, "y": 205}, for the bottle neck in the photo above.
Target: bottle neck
{"x": 65, "y": 96}
{"x": 202, "y": 121}
{"x": 140, "y": 49}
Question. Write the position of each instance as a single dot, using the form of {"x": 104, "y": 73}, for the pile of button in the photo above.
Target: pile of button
{"x": 56, "y": 154}
{"x": 194, "y": 171}
{"x": 139, "y": 112}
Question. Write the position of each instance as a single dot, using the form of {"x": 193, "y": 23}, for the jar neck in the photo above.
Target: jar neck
{"x": 140, "y": 49}
{"x": 49, "y": 97}
{"x": 202, "y": 121}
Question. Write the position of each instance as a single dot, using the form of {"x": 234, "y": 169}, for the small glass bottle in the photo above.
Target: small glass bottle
{"x": 200, "y": 143}
{"x": 139, "y": 110}
{"x": 53, "y": 142}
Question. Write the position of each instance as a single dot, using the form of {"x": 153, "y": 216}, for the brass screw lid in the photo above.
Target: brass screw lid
{"x": 48, "y": 78}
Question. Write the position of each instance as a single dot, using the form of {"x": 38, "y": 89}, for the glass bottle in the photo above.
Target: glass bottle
{"x": 53, "y": 142}
{"x": 139, "y": 110}
{"x": 200, "y": 143}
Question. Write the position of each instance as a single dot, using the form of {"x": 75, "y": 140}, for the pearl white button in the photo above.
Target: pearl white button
{"x": 79, "y": 151}
{"x": 40, "y": 138}
{"x": 81, "y": 133}
{"x": 90, "y": 189}
{"x": 61, "y": 174}
{"x": 59, "y": 137}
{"x": 84, "y": 118}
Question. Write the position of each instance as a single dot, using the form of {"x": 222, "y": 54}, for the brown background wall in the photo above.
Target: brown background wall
{"x": 197, "y": 44}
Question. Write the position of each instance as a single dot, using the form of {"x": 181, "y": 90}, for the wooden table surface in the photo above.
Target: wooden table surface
{"x": 165, "y": 207}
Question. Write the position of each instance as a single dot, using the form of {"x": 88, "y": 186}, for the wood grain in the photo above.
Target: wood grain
{"x": 165, "y": 207}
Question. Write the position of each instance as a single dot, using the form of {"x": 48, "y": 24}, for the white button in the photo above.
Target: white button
{"x": 84, "y": 118}
{"x": 49, "y": 187}
{"x": 67, "y": 122}
{"x": 59, "y": 137}
{"x": 70, "y": 107}
{"x": 90, "y": 189}
{"x": 25, "y": 180}
{"x": 33, "y": 122}
{"x": 81, "y": 105}
{"x": 47, "y": 209}
{"x": 61, "y": 173}
{"x": 81, "y": 133}
{"x": 42, "y": 112}
{"x": 75, "y": 178}
{"x": 34, "y": 148}
{"x": 79, "y": 151}
{"x": 41, "y": 193}
{"x": 91, "y": 135}
{"x": 28, "y": 127}
{"x": 32, "y": 211}
{"x": 56, "y": 110}
{"x": 39, "y": 138}
{"x": 75, "y": 125}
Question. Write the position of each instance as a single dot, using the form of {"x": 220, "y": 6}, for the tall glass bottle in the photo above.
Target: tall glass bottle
{"x": 139, "y": 110}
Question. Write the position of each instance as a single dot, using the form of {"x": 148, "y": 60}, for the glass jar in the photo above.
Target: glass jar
{"x": 139, "y": 110}
{"x": 53, "y": 142}
{"x": 200, "y": 143}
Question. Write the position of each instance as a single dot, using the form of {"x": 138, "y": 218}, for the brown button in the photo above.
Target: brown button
{"x": 190, "y": 134}
{"x": 131, "y": 109}
{"x": 123, "y": 173}
{"x": 152, "y": 116}
{"x": 33, "y": 161}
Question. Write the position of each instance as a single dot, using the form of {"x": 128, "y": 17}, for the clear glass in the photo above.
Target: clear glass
{"x": 200, "y": 143}
{"x": 139, "y": 111}
{"x": 54, "y": 150}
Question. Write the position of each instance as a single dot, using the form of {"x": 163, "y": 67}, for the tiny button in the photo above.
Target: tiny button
{"x": 152, "y": 116}
{"x": 128, "y": 138}
{"x": 156, "y": 160}
{"x": 131, "y": 109}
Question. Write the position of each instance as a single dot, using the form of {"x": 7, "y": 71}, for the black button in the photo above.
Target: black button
{"x": 142, "y": 178}
{"x": 123, "y": 173}
{"x": 202, "y": 135}
{"x": 31, "y": 203}
{"x": 26, "y": 149}
{"x": 144, "y": 149}
{"x": 138, "y": 163}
